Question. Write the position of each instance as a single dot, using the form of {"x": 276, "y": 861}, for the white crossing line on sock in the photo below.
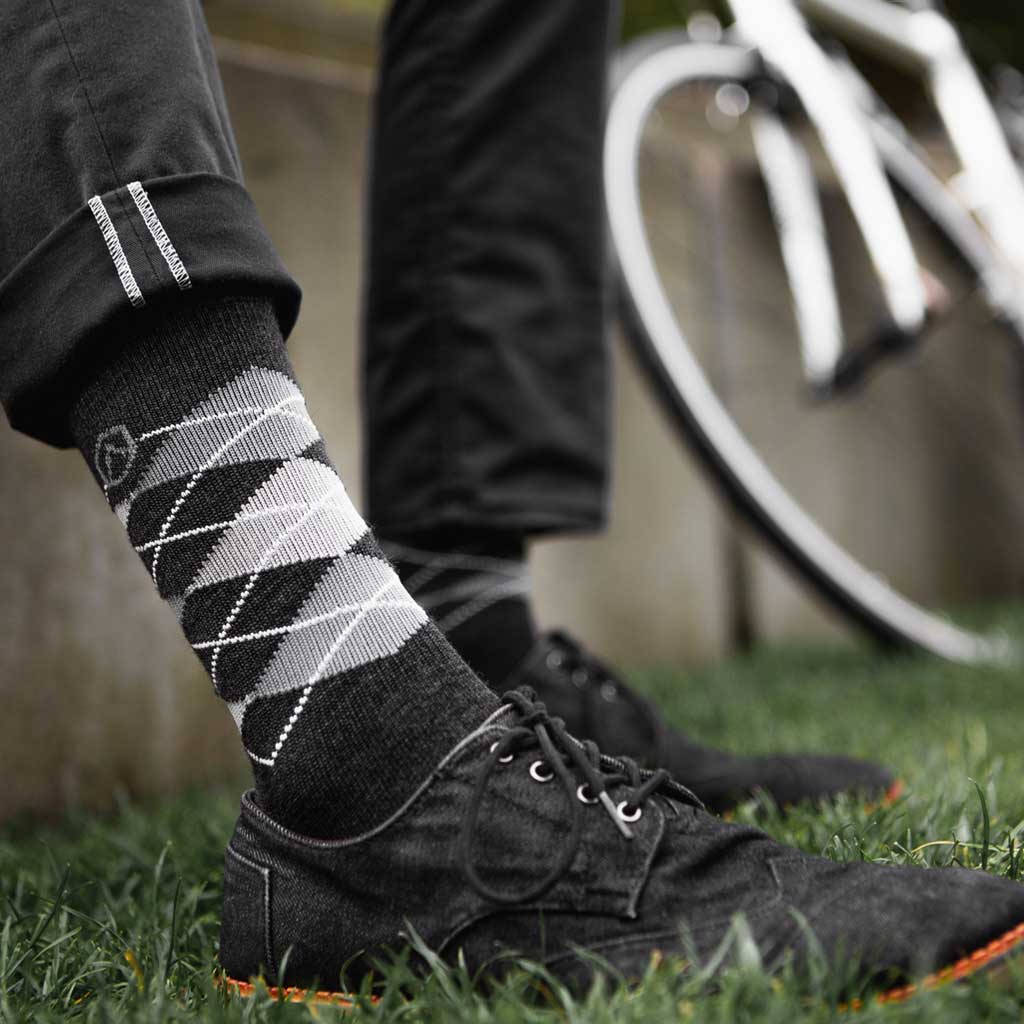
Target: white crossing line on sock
{"x": 467, "y": 591}
{"x": 117, "y": 254}
{"x": 308, "y": 513}
{"x": 300, "y": 705}
{"x": 160, "y": 236}
{"x": 300, "y": 624}
{"x": 484, "y": 600}
{"x": 226, "y": 523}
{"x": 196, "y": 421}
{"x": 451, "y": 559}
{"x": 490, "y": 580}
{"x": 210, "y": 463}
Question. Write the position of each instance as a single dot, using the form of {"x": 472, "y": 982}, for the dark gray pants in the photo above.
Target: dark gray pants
{"x": 120, "y": 192}
{"x": 485, "y": 364}
{"x": 485, "y": 360}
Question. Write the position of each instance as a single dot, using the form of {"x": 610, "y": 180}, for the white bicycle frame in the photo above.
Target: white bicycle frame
{"x": 990, "y": 183}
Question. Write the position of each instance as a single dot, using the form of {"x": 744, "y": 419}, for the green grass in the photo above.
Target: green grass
{"x": 115, "y": 919}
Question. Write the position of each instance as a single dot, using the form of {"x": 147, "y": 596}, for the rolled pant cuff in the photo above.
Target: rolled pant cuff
{"x": 113, "y": 266}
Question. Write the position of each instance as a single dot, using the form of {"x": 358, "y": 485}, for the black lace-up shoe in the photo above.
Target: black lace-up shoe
{"x": 526, "y": 841}
{"x": 596, "y": 703}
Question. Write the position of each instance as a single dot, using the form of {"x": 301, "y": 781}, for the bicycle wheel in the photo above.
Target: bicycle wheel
{"x": 705, "y": 304}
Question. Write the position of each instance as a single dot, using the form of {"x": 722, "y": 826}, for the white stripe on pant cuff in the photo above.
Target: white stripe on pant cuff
{"x": 124, "y": 271}
{"x": 156, "y": 229}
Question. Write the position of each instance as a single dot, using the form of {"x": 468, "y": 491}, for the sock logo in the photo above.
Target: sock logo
{"x": 115, "y": 454}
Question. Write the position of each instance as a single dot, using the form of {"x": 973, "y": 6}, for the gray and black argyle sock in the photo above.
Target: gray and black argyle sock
{"x": 476, "y": 586}
{"x": 345, "y": 694}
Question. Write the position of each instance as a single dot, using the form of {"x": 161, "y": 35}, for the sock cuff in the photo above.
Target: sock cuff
{"x": 171, "y": 365}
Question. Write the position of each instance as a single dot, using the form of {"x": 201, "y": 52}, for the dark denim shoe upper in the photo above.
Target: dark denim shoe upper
{"x": 596, "y": 703}
{"x": 508, "y": 846}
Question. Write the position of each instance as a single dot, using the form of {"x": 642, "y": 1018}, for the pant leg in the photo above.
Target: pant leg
{"x": 485, "y": 363}
{"x": 121, "y": 191}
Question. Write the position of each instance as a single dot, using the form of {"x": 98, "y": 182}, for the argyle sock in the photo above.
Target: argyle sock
{"x": 346, "y": 696}
{"x": 475, "y": 585}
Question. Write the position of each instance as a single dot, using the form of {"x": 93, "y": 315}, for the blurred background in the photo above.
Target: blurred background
{"x": 89, "y": 652}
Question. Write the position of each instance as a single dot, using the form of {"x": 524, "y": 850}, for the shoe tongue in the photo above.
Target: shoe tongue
{"x": 615, "y": 713}
{"x": 533, "y": 659}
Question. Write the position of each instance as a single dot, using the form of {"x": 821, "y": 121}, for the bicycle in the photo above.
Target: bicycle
{"x": 815, "y": 130}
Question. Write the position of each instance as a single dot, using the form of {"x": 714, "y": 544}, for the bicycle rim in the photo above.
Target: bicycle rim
{"x": 656, "y": 68}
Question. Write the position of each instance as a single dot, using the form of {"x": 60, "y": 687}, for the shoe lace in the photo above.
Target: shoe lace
{"x": 563, "y": 755}
{"x": 592, "y": 674}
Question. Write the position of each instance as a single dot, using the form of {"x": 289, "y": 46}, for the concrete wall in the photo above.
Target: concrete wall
{"x": 98, "y": 688}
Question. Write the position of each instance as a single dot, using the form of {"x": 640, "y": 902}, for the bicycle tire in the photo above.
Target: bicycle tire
{"x": 645, "y": 71}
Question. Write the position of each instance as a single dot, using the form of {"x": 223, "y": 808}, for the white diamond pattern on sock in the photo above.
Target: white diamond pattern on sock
{"x": 356, "y": 612}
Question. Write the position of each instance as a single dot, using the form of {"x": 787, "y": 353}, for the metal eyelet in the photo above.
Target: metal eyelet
{"x": 584, "y": 796}
{"x": 580, "y": 677}
{"x": 626, "y": 815}
{"x": 537, "y": 772}
{"x": 507, "y": 759}
{"x": 554, "y": 659}
{"x": 609, "y": 692}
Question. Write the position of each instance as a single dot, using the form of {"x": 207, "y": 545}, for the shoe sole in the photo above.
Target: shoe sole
{"x": 246, "y": 990}
{"x": 893, "y": 793}
{"x": 887, "y": 799}
{"x": 992, "y": 959}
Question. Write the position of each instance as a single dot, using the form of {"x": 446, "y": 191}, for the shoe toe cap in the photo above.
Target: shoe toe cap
{"x": 788, "y": 779}
{"x": 792, "y": 779}
{"x": 916, "y": 921}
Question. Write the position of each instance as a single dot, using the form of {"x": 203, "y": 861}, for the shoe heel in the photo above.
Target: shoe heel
{"x": 246, "y": 948}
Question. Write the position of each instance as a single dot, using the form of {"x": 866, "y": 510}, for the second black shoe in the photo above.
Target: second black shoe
{"x": 595, "y": 703}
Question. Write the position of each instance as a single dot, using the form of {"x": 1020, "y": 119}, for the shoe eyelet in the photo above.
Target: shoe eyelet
{"x": 506, "y": 759}
{"x": 629, "y": 815}
{"x": 579, "y": 678}
{"x": 554, "y": 659}
{"x": 538, "y": 774}
{"x": 609, "y": 692}
{"x": 584, "y": 795}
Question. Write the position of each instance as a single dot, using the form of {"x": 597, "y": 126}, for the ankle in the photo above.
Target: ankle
{"x": 474, "y": 582}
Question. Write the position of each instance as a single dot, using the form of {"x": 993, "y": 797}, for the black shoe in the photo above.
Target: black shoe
{"x": 524, "y": 841}
{"x": 596, "y": 703}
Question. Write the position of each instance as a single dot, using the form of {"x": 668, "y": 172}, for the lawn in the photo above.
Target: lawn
{"x": 115, "y": 918}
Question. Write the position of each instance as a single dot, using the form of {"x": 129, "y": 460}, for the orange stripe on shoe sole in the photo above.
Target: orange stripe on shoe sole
{"x": 888, "y": 798}
{"x": 893, "y": 793}
{"x": 339, "y": 1000}
{"x": 973, "y": 963}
